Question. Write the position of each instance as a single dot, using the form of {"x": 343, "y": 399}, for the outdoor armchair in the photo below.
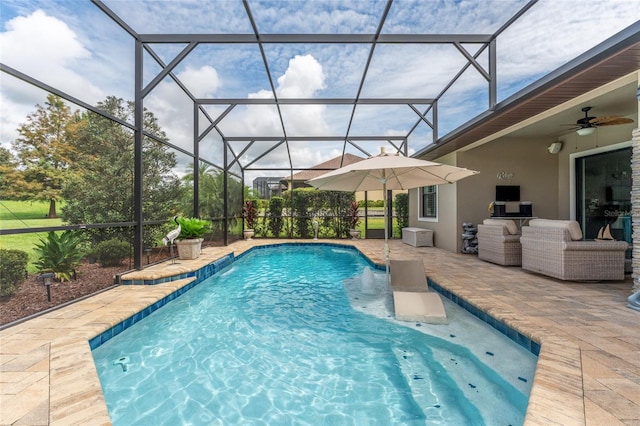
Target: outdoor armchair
{"x": 499, "y": 242}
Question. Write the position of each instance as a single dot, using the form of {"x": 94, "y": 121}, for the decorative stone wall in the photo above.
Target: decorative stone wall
{"x": 469, "y": 238}
{"x": 635, "y": 207}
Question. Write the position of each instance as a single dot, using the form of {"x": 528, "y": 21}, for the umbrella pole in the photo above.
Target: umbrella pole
{"x": 386, "y": 241}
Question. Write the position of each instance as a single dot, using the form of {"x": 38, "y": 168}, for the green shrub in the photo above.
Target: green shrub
{"x": 13, "y": 266}
{"x": 59, "y": 253}
{"x": 276, "y": 205}
{"x": 111, "y": 252}
{"x": 300, "y": 206}
{"x": 192, "y": 227}
{"x": 153, "y": 235}
{"x": 402, "y": 211}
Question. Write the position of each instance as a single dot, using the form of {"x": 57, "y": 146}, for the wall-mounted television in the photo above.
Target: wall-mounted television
{"x": 507, "y": 193}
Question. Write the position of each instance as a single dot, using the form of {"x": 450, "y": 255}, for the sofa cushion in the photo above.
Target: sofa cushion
{"x": 570, "y": 225}
{"x": 511, "y": 226}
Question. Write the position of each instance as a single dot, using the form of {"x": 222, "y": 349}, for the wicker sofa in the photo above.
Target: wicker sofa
{"x": 555, "y": 248}
{"x": 499, "y": 242}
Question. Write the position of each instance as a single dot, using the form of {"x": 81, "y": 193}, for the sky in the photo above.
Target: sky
{"x": 74, "y": 47}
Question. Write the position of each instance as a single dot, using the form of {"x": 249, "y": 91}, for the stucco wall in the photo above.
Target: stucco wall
{"x": 527, "y": 162}
{"x": 544, "y": 180}
{"x": 524, "y": 162}
{"x": 447, "y": 228}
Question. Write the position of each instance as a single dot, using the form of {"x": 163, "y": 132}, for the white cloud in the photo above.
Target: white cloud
{"x": 202, "y": 82}
{"x": 174, "y": 109}
{"x": 45, "y": 48}
{"x": 37, "y": 39}
{"x": 17, "y": 100}
{"x": 554, "y": 32}
{"x": 303, "y": 78}
{"x": 261, "y": 94}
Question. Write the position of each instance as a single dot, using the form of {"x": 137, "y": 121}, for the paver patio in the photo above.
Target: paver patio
{"x": 588, "y": 369}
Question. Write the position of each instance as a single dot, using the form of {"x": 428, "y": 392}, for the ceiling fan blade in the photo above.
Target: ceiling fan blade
{"x": 610, "y": 120}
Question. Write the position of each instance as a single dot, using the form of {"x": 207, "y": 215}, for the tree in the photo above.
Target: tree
{"x": 101, "y": 188}
{"x": 9, "y": 175}
{"x": 211, "y": 197}
{"x": 44, "y": 152}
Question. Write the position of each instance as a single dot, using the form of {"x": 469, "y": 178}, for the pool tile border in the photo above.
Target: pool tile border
{"x": 200, "y": 275}
{"x": 211, "y": 269}
{"x": 513, "y": 334}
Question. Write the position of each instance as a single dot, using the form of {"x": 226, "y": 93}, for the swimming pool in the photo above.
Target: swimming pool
{"x": 274, "y": 339}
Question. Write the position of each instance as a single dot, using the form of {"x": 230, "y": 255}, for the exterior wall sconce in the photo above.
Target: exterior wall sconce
{"x": 555, "y": 147}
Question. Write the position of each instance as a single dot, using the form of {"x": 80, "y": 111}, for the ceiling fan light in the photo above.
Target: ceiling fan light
{"x": 585, "y": 131}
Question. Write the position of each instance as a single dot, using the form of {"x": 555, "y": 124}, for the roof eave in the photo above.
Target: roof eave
{"x": 614, "y": 58}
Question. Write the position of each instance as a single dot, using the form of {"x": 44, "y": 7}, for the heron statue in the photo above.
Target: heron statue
{"x": 171, "y": 236}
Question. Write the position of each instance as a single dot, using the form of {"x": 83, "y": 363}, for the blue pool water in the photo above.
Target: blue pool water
{"x": 274, "y": 339}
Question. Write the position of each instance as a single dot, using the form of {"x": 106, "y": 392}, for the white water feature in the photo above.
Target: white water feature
{"x": 368, "y": 284}
{"x": 368, "y": 292}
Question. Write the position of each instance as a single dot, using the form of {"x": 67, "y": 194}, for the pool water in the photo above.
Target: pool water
{"x": 274, "y": 339}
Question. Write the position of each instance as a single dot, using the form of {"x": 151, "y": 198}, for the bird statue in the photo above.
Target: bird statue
{"x": 171, "y": 236}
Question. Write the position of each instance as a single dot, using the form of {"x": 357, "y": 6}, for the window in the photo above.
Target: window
{"x": 429, "y": 204}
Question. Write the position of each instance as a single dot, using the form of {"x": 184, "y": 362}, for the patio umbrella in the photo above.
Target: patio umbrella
{"x": 388, "y": 172}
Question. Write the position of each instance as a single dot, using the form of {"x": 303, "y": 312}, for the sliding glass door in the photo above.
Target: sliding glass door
{"x": 603, "y": 193}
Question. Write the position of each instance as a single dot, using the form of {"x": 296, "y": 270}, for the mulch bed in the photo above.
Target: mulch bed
{"x": 31, "y": 296}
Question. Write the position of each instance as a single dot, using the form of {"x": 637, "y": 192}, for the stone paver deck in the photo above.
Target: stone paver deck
{"x": 588, "y": 370}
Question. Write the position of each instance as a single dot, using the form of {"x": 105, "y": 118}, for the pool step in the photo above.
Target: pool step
{"x": 482, "y": 386}
{"x": 431, "y": 388}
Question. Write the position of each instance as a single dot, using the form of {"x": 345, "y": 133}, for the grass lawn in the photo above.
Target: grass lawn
{"x": 378, "y": 223}
{"x": 24, "y": 214}
{"x": 21, "y": 210}
{"x": 28, "y": 214}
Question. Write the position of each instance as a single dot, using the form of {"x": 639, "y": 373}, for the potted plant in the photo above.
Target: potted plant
{"x": 249, "y": 212}
{"x": 189, "y": 241}
{"x": 354, "y": 220}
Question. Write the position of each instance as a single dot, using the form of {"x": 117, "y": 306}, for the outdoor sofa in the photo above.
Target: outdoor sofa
{"x": 555, "y": 248}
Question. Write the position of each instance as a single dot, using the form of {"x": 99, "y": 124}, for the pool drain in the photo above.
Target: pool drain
{"x": 122, "y": 361}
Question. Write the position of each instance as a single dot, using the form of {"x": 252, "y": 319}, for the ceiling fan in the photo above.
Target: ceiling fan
{"x": 587, "y": 125}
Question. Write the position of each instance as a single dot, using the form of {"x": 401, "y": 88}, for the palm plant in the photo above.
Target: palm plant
{"x": 59, "y": 253}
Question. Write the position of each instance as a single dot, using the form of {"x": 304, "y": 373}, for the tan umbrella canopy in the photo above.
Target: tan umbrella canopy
{"x": 388, "y": 172}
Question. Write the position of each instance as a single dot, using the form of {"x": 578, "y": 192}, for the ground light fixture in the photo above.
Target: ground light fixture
{"x": 47, "y": 277}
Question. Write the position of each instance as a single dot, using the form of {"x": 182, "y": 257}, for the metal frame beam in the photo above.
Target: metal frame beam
{"x": 317, "y": 38}
{"x": 145, "y": 42}
{"x": 314, "y": 101}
